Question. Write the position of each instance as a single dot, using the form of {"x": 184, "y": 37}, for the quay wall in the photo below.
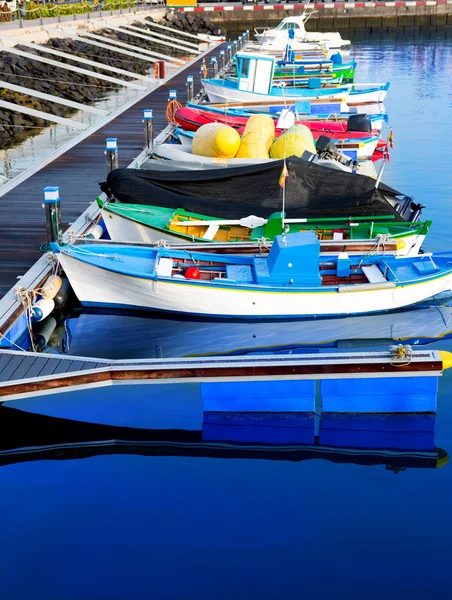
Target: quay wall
{"x": 358, "y": 16}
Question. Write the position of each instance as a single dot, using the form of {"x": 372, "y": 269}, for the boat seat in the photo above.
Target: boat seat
{"x": 424, "y": 267}
{"x": 211, "y": 232}
{"x": 164, "y": 267}
{"x": 374, "y": 275}
{"x": 239, "y": 273}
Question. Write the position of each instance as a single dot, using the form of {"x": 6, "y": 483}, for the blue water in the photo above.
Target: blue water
{"x": 181, "y": 527}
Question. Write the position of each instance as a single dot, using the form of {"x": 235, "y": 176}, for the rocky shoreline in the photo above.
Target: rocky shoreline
{"x": 15, "y": 127}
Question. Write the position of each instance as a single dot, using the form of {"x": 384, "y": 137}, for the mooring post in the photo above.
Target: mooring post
{"x": 228, "y": 54}
{"x": 221, "y": 60}
{"x": 40, "y": 16}
{"x": 51, "y": 206}
{"x": 239, "y": 42}
{"x": 190, "y": 88}
{"x": 148, "y": 121}
{"x": 234, "y": 48}
{"x": 214, "y": 64}
{"x": 112, "y": 153}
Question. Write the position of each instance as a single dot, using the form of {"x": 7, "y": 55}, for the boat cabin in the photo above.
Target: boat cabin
{"x": 255, "y": 72}
{"x": 295, "y": 23}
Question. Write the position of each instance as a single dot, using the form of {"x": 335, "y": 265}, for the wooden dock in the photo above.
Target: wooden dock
{"x": 23, "y": 373}
{"x": 77, "y": 172}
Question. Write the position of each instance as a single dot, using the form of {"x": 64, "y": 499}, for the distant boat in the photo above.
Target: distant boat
{"x": 136, "y": 223}
{"x": 292, "y": 281}
{"x": 278, "y": 37}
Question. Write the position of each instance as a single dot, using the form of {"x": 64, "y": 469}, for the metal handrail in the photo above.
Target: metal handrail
{"x": 52, "y": 10}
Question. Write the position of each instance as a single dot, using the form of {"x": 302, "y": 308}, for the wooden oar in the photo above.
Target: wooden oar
{"x": 252, "y": 221}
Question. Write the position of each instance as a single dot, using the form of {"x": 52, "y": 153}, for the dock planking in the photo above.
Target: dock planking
{"x": 77, "y": 172}
{"x": 28, "y": 372}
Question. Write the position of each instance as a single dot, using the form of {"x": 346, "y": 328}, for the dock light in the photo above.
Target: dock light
{"x": 148, "y": 121}
{"x": 52, "y": 210}
{"x": 221, "y": 60}
{"x": 51, "y": 195}
{"x": 112, "y": 153}
{"x": 112, "y": 143}
{"x": 228, "y": 54}
{"x": 190, "y": 88}
{"x": 172, "y": 95}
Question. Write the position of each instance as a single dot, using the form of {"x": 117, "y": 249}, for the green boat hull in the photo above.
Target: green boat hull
{"x": 161, "y": 220}
{"x": 346, "y": 72}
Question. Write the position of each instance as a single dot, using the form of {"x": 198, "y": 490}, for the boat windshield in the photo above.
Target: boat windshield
{"x": 290, "y": 25}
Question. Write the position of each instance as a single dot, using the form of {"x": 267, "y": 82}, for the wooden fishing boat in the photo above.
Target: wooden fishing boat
{"x": 292, "y": 281}
{"x": 311, "y": 191}
{"x": 150, "y": 224}
{"x": 359, "y": 144}
{"x": 313, "y": 68}
{"x": 192, "y": 117}
{"x": 255, "y": 80}
{"x": 307, "y": 111}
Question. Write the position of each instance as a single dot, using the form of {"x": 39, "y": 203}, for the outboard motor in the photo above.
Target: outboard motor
{"x": 359, "y": 122}
{"x": 327, "y": 149}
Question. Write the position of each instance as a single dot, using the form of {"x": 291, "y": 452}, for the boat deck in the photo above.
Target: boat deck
{"x": 77, "y": 172}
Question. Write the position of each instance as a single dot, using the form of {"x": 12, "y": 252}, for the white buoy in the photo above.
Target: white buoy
{"x": 42, "y": 309}
{"x": 51, "y": 287}
{"x": 95, "y": 233}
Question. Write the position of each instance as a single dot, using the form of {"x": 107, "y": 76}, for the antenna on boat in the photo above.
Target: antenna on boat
{"x": 282, "y": 183}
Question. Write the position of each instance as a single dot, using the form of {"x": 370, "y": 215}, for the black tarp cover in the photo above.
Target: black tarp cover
{"x": 235, "y": 192}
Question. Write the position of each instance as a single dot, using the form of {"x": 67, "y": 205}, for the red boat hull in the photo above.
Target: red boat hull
{"x": 192, "y": 119}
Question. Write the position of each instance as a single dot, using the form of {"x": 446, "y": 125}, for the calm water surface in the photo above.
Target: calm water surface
{"x": 180, "y": 527}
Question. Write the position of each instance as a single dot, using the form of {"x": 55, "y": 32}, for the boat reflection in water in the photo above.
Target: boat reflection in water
{"x": 117, "y": 336}
{"x": 395, "y": 442}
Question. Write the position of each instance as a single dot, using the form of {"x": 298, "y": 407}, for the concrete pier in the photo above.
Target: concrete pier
{"x": 350, "y": 16}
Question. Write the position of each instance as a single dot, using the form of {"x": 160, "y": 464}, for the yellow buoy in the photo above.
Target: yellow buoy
{"x": 51, "y": 287}
{"x": 443, "y": 458}
{"x": 257, "y": 137}
{"x": 216, "y": 140}
{"x": 446, "y": 357}
{"x": 293, "y": 142}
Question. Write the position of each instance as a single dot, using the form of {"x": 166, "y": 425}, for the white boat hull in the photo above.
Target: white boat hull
{"x": 312, "y": 41}
{"x": 219, "y": 93}
{"x": 100, "y": 287}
